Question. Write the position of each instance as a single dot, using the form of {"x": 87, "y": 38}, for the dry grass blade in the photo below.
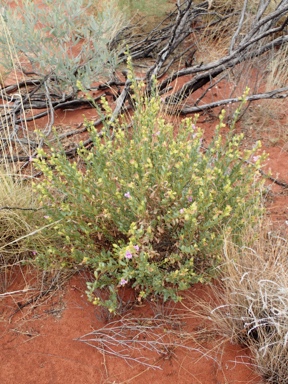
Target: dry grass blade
{"x": 17, "y": 219}
{"x": 19, "y": 216}
{"x": 131, "y": 338}
{"x": 253, "y": 301}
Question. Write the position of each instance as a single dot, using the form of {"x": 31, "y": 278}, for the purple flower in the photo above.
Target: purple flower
{"x": 181, "y": 211}
{"x": 34, "y": 253}
{"x": 136, "y": 247}
{"x": 127, "y": 195}
{"x": 123, "y": 281}
{"x": 255, "y": 158}
{"x": 190, "y": 199}
{"x": 128, "y": 255}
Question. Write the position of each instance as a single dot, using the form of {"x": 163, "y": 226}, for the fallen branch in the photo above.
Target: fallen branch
{"x": 275, "y": 94}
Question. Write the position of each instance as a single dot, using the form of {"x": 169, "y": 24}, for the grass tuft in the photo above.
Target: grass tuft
{"x": 19, "y": 220}
{"x": 253, "y": 300}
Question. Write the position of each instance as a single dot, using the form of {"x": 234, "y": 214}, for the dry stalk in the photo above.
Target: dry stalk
{"x": 130, "y": 339}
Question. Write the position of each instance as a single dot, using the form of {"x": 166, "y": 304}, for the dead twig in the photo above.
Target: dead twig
{"x": 129, "y": 336}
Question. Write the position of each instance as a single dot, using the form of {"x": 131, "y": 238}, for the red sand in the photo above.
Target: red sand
{"x": 38, "y": 343}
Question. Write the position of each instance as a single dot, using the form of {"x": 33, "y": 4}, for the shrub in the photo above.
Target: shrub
{"x": 147, "y": 206}
{"x": 61, "y": 39}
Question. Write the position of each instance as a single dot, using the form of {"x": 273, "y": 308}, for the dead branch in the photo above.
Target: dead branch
{"x": 171, "y": 44}
{"x": 275, "y": 94}
{"x": 252, "y": 45}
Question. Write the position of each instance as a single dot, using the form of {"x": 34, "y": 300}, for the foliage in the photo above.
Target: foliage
{"x": 147, "y": 206}
{"x": 68, "y": 42}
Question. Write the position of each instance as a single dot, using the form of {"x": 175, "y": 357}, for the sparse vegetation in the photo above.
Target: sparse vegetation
{"x": 142, "y": 203}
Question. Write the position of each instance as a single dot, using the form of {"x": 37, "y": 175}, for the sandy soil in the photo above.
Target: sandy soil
{"x": 40, "y": 342}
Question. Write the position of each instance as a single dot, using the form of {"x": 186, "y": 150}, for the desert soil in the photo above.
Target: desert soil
{"x": 39, "y": 342}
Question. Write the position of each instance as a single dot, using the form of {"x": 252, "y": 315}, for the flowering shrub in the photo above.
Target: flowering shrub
{"x": 149, "y": 207}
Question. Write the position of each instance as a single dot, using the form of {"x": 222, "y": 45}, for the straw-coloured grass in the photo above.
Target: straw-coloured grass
{"x": 18, "y": 220}
{"x": 252, "y": 301}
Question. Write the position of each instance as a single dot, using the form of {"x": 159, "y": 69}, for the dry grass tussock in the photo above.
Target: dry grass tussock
{"x": 19, "y": 217}
{"x": 21, "y": 233}
{"x": 19, "y": 224}
{"x": 229, "y": 5}
{"x": 261, "y": 114}
{"x": 267, "y": 119}
{"x": 252, "y": 301}
{"x": 277, "y": 68}
{"x": 148, "y": 8}
{"x": 111, "y": 8}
